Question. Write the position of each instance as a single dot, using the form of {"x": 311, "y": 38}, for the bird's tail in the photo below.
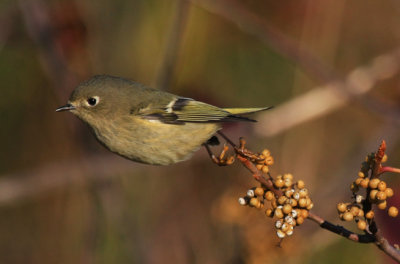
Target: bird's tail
{"x": 244, "y": 111}
{"x": 236, "y": 113}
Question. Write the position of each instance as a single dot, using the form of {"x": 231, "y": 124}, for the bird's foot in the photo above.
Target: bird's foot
{"x": 221, "y": 160}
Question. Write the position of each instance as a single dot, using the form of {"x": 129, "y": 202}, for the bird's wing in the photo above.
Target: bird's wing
{"x": 181, "y": 110}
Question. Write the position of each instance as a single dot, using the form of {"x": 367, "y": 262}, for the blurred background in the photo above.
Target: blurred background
{"x": 330, "y": 68}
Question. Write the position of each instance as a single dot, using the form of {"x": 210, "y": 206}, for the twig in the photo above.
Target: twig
{"x": 243, "y": 156}
{"x": 389, "y": 169}
{"x": 340, "y": 230}
{"x": 258, "y": 175}
{"x": 378, "y": 239}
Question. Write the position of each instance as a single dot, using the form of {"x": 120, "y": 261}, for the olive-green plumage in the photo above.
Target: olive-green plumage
{"x": 145, "y": 124}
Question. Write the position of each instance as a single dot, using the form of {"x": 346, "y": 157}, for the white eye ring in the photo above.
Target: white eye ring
{"x": 92, "y": 101}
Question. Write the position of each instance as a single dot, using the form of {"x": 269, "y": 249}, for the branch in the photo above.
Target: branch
{"x": 389, "y": 169}
{"x": 258, "y": 175}
{"x": 340, "y": 230}
{"x": 287, "y": 211}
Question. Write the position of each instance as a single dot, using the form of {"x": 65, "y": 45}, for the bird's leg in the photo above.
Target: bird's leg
{"x": 220, "y": 160}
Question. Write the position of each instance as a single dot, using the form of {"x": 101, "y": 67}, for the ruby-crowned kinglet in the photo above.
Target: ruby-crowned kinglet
{"x": 145, "y": 124}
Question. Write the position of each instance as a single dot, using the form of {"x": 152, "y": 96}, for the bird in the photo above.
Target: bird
{"x": 147, "y": 125}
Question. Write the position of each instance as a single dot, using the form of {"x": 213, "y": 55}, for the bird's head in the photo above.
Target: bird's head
{"x": 100, "y": 97}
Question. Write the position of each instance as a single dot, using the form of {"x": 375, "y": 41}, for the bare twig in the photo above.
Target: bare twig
{"x": 340, "y": 230}
{"x": 389, "y": 169}
{"x": 378, "y": 239}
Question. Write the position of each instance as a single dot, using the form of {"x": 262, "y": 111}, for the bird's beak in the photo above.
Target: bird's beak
{"x": 66, "y": 107}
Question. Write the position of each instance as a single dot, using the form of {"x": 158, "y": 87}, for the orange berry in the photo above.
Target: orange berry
{"x": 280, "y": 233}
{"x": 354, "y": 210}
{"x": 278, "y": 213}
{"x": 299, "y": 220}
{"x": 358, "y": 181}
{"x": 269, "y": 195}
{"x": 269, "y": 161}
{"x": 393, "y": 211}
{"x": 303, "y": 192}
{"x": 285, "y": 227}
{"x": 382, "y": 186}
{"x": 288, "y": 176}
{"x": 259, "y": 191}
{"x": 265, "y": 169}
{"x": 364, "y": 183}
{"x": 382, "y": 205}
{"x": 279, "y": 183}
{"x": 266, "y": 153}
{"x": 370, "y": 214}
{"x": 300, "y": 184}
{"x": 292, "y": 202}
{"x": 282, "y": 199}
{"x": 303, "y": 202}
{"x": 361, "y": 174}
{"x": 381, "y": 196}
{"x": 287, "y": 182}
{"x": 287, "y": 209}
{"x": 372, "y": 194}
{"x": 289, "y": 193}
{"x": 362, "y": 225}
{"x": 373, "y": 184}
{"x": 268, "y": 212}
{"x": 259, "y": 166}
{"x": 341, "y": 207}
{"x": 389, "y": 192}
{"x": 361, "y": 213}
{"x": 347, "y": 216}
{"x": 304, "y": 213}
{"x": 254, "y": 202}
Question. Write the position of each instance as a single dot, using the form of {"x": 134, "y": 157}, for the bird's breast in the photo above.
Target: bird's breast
{"x": 153, "y": 142}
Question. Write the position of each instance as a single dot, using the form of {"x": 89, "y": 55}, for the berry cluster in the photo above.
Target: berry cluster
{"x": 290, "y": 209}
{"x": 376, "y": 193}
{"x": 264, "y": 160}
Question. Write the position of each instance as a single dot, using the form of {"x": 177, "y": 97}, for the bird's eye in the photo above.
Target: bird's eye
{"x": 92, "y": 101}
